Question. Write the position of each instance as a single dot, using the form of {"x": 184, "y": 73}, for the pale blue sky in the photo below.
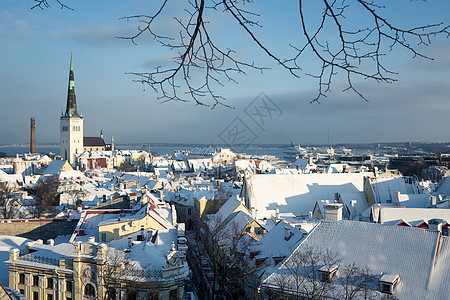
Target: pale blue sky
{"x": 35, "y": 50}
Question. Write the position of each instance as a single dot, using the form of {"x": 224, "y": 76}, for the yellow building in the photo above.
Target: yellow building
{"x": 92, "y": 270}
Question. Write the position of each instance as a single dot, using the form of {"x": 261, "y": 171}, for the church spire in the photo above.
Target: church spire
{"x": 71, "y": 108}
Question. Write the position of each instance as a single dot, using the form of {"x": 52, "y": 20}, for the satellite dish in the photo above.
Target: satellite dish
{"x": 126, "y": 227}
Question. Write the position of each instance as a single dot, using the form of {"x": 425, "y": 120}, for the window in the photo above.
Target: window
{"x": 35, "y": 280}
{"x": 22, "y": 291}
{"x": 189, "y": 211}
{"x": 327, "y": 273}
{"x": 50, "y": 283}
{"x": 153, "y": 295}
{"x": 68, "y": 286}
{"x": 22, "y": 278}
{"x": 49, "y": 296}
{"x": 111, "y": 293}
{"x": 131, "y": 295}
{"x": 89, "y": 291}
{"x": 173, "y": 295}
{"x": 35, "y": 296}
{"x": 388, "y": 283}
{"x": 104, "y": 237}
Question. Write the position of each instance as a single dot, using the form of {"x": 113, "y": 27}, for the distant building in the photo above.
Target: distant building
{"x": 95, "y": 143}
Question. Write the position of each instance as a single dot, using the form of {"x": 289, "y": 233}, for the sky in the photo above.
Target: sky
{"x": 35, "y": 47}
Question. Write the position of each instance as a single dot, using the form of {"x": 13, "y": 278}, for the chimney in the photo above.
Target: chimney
{"x": 336, "y": 197}
{"x": 254, "y": 212}
{"x": 130, "y": 241}
{"x": 287, "y": 233}
{"x": 277, "y": 212}
{"x": 435, "y": 225}
{"x": 333, "y": 212}
{"x": 33, "y": 136}
{"x": 432, "y": 202}
{"x": 91, "y": 239}
{"x": 353, "y": 206}
{"x": 396, "y": 199}
{"x": 51, "y": 242}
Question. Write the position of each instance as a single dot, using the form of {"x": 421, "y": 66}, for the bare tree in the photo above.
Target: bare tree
{"x": 314, "y": 273}
{"x": 45, "y": 194}
{"x": 346, "y": 39}
{"x": 8, "y": 205}
{"x": 126, "y": 166}
{"x": 227, "y": 248}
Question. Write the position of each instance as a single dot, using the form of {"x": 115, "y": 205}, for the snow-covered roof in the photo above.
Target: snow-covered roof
{"x": 359, "y": 200}
{"x": 302, "y": 164}
{"x": 74, "y": 174}
{"x": 148, "y": 254}
{"x": 54, "y": 167}
{"x": 200, "y": 164}
{"x": 228, "y": 208}
{"x": 413, "y": 200}
{"x": 422, "y": 266}
{"x": 297, "y": 193}
{"x": 385, "y": 188}
{"x": 413, "y": 216}
{"x": 444, "y": 186}
{"x": 274, "y": 243}
{"x": 336, "y": 168}
{"x": 11, "y": 178}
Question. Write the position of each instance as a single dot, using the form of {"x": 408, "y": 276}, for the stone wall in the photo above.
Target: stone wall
{"x": 37, "y": 228}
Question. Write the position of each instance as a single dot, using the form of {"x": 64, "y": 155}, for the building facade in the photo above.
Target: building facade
{"x": 89, "y": 270}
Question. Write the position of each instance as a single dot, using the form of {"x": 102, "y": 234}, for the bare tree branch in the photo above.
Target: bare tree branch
{"x": 341, "y": 45}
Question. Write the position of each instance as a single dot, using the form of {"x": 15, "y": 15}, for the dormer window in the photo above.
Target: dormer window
{"x": 388, "y": 283}
{"x": 277, "y": 260}
{"x": 327, "y": 273}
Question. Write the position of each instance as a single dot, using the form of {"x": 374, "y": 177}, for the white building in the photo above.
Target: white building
{"x": 71, "y": 124}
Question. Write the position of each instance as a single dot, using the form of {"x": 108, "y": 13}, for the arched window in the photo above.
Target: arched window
{"x": 111, "y": 293}
{"x": 89, "y": 291}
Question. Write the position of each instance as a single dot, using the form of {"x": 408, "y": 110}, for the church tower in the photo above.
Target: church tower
{"x": 71, "y": 124}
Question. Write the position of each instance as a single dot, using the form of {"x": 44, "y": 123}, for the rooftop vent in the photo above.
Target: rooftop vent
{"x": 287, "y": 233}
{"x": 388, "y": 283}
{"x": 435, "y": 225}
{"x": 327, "y": 273}
{"x": 333, "y": 212}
